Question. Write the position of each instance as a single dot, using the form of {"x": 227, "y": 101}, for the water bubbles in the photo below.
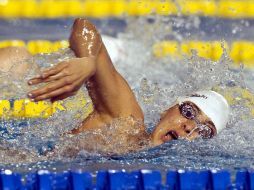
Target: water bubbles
{"x": 231, "y": 148}
{"x": 147, "y": 92}
{"x": 156, "y": 83}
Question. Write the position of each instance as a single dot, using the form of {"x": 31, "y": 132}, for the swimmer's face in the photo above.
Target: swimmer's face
{"x": 175, "y": 123}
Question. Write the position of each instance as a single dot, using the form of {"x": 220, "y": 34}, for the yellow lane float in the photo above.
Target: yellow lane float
{"x": 239, "y": 51}
{"x": 107, "y": 8}
{"x": 24, "y": 108}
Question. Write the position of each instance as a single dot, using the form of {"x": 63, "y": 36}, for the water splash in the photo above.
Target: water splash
{"x": 232, "y": 148}
{"x": 156, "y": 83}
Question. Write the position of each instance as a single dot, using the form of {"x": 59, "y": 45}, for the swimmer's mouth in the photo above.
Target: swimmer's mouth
{"x": 171, "y": 135}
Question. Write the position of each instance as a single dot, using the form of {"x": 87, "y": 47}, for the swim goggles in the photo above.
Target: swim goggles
{"x": 188, "y": 111}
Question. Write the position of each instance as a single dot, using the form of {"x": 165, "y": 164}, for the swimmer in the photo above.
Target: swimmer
{"x": 202, "y": 114}
{"x": 10, "y": 56}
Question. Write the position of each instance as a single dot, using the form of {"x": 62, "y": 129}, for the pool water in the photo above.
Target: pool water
{"x": 156, "y": 83}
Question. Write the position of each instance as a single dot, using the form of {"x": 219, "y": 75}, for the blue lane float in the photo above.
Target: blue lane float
{"x": 122, "y": 180}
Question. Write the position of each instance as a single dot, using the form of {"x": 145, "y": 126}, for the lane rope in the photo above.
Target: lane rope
{"x": 234, "y": 9}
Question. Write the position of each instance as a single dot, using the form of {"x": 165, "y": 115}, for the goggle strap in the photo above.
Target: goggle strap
{"x": 192, "y": 131}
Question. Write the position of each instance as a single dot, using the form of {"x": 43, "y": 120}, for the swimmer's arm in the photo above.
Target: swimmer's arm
{"x": 111, "y": 95}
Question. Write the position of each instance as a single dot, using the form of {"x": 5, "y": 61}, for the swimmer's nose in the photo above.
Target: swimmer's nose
{"x": 188, "y": 127}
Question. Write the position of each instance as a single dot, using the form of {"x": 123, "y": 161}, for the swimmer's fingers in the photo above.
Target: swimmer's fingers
{"x": 36, "y": 81}
{"x": 62, "y": 92}
{"x": 63, "y": 96}
{"x": 69, "y": 92}
{"x": 59, "y": 94}
{"x": 54, "y": 70}
{"x": 54, "y": 93}
{"x": 65, "y": 82}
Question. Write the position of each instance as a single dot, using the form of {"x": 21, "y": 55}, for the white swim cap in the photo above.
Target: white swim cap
{"x": 114, "y": 47}
{"x": 214, "y": 105}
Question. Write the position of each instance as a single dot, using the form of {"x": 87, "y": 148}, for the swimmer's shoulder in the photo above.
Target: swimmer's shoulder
{"x": 99, "y": 121}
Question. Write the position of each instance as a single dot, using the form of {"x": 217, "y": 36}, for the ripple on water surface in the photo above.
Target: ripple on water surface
{"x": 156, "y": 83}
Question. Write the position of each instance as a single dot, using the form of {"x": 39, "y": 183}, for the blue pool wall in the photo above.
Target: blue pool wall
{"x": 117, "y": 180}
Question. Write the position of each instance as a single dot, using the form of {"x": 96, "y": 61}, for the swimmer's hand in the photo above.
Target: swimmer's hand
{"x": 63, "y": 80}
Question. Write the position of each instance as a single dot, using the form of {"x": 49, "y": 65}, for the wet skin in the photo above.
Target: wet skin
{"x": 110, "y": 93}
{"x": 173, "y": 125}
